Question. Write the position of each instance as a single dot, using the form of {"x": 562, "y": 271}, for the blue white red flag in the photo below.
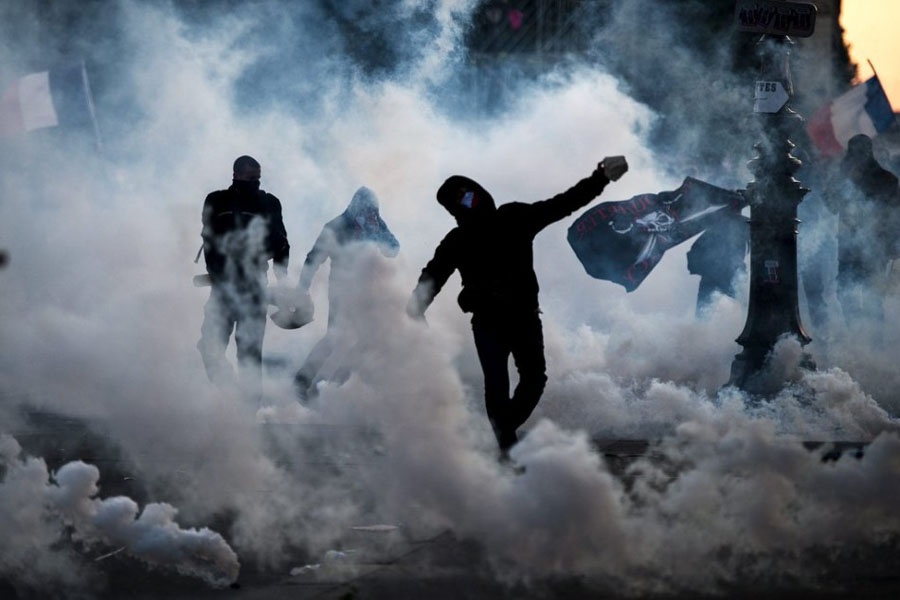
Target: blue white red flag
{"x": 56, "y": 98}
{"x": 865, "y": 108}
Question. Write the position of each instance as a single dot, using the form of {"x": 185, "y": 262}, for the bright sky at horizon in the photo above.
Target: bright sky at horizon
{"x": 871, "y": 31}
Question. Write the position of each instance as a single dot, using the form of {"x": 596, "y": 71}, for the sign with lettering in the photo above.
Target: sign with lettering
{"x": 770, "y": 97}
{"x": 775, "y": 17}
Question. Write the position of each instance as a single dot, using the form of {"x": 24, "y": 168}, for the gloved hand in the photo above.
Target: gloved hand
{"x": 414, "y": 308}
{"x": 613, "y": 167}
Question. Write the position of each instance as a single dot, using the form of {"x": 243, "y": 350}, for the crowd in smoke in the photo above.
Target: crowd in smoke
{"x": 99, "y": 321}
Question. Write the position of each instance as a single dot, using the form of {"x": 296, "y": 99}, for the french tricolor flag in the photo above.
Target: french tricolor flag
{"x": 59, "y": 97}
{"x": 863, "y": 109}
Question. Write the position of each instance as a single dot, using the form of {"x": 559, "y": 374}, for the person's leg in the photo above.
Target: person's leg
{"x": 861, "y": 299}
{"x": 860, "y": 294}
{"x": 528, "y": 353}
{"x": 705, "y": 292}
{"x": 218, "y": 322}
{"x": 814, "y": 286}
{"x": 248, "y": 338}
{"x": 306, "y": 375}
{"x": 846, "y": 288}
{"x": 493, "y": 353}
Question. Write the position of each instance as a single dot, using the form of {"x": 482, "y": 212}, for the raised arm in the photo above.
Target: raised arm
{"x": 562, "y": 205}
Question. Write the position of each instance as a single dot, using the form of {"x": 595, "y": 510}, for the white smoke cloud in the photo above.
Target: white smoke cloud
{"x": 28, "y": 556}
{"x": 724, "y": 483}
{"x": 99, "y": 321}
{"x": 38, "y": 504}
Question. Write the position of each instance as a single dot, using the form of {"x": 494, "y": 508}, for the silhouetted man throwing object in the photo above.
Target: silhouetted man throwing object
{"x": 492, "y": 248}
{"x": 242, "y": 230}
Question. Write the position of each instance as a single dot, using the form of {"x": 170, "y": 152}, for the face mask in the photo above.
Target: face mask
{"x": 468, "y": 199}
{"x": 246, "y": 186}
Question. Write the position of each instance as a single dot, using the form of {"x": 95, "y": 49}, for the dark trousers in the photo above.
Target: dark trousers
{"x": 245, "y": 314}
{"x": 861, "y": 297}
{"x": 496, "y": 337}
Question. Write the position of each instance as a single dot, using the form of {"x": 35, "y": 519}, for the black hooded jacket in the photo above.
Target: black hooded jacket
{"x": 866, "y": 196}
{"x": 242, "y": 230}
{"x": 492, "y": 247}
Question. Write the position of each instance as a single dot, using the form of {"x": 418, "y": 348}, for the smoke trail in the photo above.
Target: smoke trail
{"x": 152, "y": 536}
{"x": 36, "y": 505}
{"x": 28, "y": 552}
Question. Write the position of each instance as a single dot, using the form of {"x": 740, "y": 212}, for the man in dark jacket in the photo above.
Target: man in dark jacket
{"x": 866, "y": 197}
{"x": 341, "y": 239}
{"x": 242, "y": 230}
{"x": 492, "y": 248}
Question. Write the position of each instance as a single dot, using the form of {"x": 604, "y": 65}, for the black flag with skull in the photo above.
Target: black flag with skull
{"x": 622, "y": 241}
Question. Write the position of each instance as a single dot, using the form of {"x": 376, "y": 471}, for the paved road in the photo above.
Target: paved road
{"x": 390, "y": 562}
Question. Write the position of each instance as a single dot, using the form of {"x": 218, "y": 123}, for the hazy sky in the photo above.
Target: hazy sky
{"x": 871, "y": 31}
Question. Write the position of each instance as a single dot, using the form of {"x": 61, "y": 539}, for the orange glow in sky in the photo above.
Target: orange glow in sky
{"x": 872, "y": 30}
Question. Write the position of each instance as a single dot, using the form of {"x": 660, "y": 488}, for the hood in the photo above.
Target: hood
{"x": 859, "y": 159}
{"x": 361, "y": 220}
{"x": 448, "y": 195}
{"x": 364, "y": 202}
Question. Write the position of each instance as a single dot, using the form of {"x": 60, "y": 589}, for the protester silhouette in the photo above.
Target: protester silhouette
{"x": 718, "y": 257}
{"x": 341, "y": 241}
{"x": 866, "y": 198}
{"x": 242, "y": 230}
{"x": 492, "y": 249}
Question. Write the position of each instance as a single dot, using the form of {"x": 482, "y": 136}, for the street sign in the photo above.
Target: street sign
{"x": 776, "y": 17}
{"x": 770, "y": 97}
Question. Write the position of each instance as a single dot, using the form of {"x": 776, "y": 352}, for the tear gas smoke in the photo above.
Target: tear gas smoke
{"x": 98, "y": 320}
{"x": 36, "y": 502}
{"x": 690, "y": 504}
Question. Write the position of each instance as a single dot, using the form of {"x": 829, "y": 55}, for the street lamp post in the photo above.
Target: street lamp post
{"x": 774, "y": 195}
